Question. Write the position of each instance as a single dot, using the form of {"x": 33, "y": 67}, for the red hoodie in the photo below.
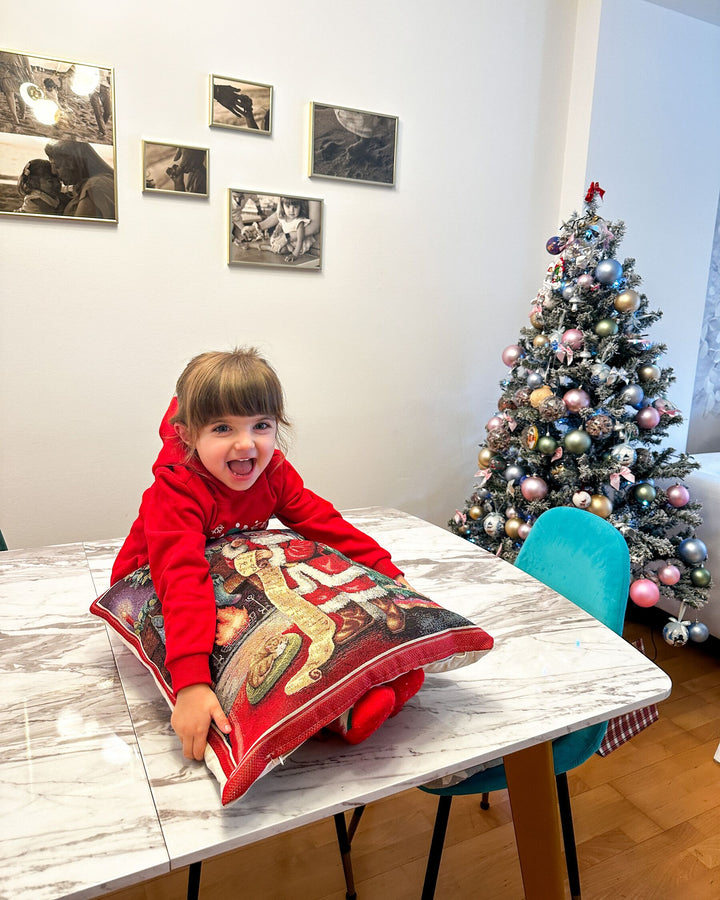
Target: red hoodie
{"x": 184, "y": 508}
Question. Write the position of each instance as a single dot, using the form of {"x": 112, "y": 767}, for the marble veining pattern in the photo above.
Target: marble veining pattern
{"x": 553, "y": 669}
{"x": 78, "y": 816}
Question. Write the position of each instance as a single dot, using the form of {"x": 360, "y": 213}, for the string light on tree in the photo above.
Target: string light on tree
{"x": 582, "y": 421}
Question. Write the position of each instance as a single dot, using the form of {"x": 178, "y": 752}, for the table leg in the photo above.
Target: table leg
{"x": 194, "y": 874}
{"x": 536, "y": 818}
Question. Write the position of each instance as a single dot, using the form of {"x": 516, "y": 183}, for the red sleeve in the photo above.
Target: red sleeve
{"x": 318, "y": 520}
{"x": 175, "y": 515}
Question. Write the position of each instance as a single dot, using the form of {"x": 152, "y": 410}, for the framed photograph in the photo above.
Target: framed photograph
{"x": 236, "y": 103}
{"x": 274, "y": 230}
{"x": 175, "y": 169}
{"x": 352, "y": 144}
{"x": 57, "y": 138}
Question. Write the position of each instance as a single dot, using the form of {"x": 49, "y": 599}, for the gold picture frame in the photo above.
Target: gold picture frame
{"x": 171, "y": 168}
{"x": 241, "y": 105}
{"x": 280, "y": 230}
{"x": 57, "y": 138}
{"x": 352, "y": 144}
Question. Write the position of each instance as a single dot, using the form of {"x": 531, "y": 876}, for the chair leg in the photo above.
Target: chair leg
{"x": 568, "y": 833}
{"x": 485, "y": 800}
{"x": 344, "y": 845}
{"x": 194, "y": 873}
{"x": 436, "y": 847}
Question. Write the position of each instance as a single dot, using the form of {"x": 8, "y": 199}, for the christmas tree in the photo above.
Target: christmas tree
{"x": 581, "y": 422}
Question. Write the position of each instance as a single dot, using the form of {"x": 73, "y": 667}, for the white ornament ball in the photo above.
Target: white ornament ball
{"x": 493, "y": 524}
{"x": 676, "y": 633}
{"x": 581, "y": 499}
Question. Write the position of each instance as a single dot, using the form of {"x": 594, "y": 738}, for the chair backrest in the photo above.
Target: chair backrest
{"x": 582, "y": 557}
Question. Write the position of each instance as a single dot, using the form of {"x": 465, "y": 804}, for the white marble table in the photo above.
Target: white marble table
{"x": 77, "y": 813}
{"x": 553, "y": 670}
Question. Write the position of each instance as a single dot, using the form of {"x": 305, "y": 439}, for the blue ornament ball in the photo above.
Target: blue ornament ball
{"x": 553, "y": 245}
{"x": 692, "y": 551}
{"x": 698, "y": 632}
{"x": 608, "y": 271}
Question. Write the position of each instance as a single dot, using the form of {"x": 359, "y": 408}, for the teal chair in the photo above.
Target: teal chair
{"x": 584, "y": 558}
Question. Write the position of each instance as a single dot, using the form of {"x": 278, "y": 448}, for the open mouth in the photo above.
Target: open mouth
{"x": 241, "y": 467}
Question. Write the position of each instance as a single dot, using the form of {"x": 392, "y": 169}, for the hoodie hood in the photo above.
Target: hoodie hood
{"x": 173, "y": 452}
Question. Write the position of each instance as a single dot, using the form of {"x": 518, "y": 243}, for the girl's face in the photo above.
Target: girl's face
{"x": 50, "y": 184}
{"x": 235, "y": 449}
{"x": 292, "y": 208}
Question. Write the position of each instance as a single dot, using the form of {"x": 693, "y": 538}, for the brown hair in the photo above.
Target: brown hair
{"x": 228, "y": 383}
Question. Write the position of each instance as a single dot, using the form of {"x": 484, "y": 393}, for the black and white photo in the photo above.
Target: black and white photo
{"x": 240, "y": 104}
{"x": 57, "y": 138}
{"x": 274, "y": 230}
{"x": 175, "y": 169}
{"x": 352, "y": 144}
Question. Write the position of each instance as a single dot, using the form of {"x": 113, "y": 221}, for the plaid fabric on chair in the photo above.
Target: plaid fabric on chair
{"x": 622, "y": 728}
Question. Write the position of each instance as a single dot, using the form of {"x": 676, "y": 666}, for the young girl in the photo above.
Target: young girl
{"x": 219, "y": 470}
{"x": 297, "y": 223}
{"x": 40, "y": 189}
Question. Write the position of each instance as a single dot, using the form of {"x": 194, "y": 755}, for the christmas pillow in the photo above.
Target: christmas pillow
{"x": 302, "y": 633}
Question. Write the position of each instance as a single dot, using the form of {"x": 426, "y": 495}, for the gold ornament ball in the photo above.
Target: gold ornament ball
{"x": 512, "y": 527}
{"x": 540, "y": 340}
{"x": 606, "y": 327}
{"x": 540, "y": 394}
{"x": 649, "y": 373}
{"x": 627, "y": 301}
{"x": 600, "y": 506}
{"x": 536, "y": 320}
{"x": 475, "y": 512}
{"x": 484, "y": 457}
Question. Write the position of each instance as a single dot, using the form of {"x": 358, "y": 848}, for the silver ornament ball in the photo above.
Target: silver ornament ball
{"x": 676, "y": 633}
{"x": 608, "y": 271}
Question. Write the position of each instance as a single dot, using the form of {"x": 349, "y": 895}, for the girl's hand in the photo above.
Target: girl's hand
{"x": 196, "y": 707}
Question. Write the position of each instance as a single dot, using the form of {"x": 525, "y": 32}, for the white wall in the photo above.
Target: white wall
{"x": 391, "y": 356}
{"x": 655, "y": 147}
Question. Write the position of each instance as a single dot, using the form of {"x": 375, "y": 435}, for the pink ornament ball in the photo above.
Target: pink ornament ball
{"x": 512, "y": 354}
{"x": 576, "y": 399}
{"x": 677, "y": 495}
{"x": 533, "y": 488}
{"x": 494, "y": 422}
{"x": 669, "y": 575}
{"x": 586, "y": 280}
{"x": 644, "y": 592}
{"x": 573, "y": 337}
{"x": 647, "y": 417}
{"x": 524, "y": 530}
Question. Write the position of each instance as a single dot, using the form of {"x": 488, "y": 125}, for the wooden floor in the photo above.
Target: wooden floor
{"x": 647, "y": 821}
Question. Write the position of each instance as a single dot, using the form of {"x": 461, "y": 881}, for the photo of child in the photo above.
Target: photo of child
{"x": 274, "y": 230}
